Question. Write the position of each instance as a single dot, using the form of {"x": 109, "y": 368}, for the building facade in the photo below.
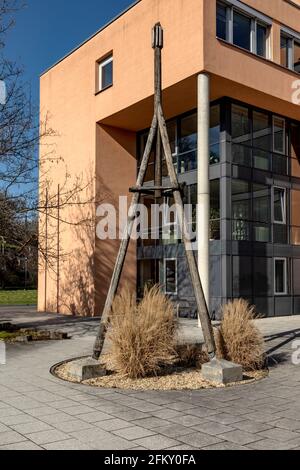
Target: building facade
{"x": 242, "y": 61}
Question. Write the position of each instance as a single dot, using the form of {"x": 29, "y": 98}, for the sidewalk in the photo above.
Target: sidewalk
{"x": 38, "y": 411}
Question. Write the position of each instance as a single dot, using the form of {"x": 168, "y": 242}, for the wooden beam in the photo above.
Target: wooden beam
{"x": 196, "y": 281}
{"x": 99, "y": 343}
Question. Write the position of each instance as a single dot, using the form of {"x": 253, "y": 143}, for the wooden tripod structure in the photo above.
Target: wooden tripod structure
{"x": 159, "y": 130}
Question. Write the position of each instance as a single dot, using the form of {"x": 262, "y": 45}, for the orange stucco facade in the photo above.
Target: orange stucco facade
{"x": 95, "y": 138}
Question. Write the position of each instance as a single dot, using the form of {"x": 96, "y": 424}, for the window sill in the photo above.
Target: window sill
{"x": 263, "y": 59}
{"x": 103, "y": 89}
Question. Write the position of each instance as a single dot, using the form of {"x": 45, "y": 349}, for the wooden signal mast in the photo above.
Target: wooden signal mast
{"x": 159, "y": 130}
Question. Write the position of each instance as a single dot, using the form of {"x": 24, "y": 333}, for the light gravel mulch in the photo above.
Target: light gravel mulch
{"x": 177, "y": 379}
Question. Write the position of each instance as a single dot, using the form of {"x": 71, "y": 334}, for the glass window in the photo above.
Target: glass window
{"x": 261, "y": 279}
{"x": 297, "y": 57}
{"x": 295, "y": 141}
{"x": 261, "y": 213}
{"x": 284, "y": 51}
{"x": 241, "y": 199}
{"x": 169, "y": 225}
{"x": 280, "y": 234}
{"x": 241, "y": 31}
{"x": 187, "y": 159}
{"x": 215, "y": 210}
{"x": 279, "y": 205}
{"x": 295, "y": 149}
{"x": 241, "y": 210}
{"x": 261, "y": 203}
{"x": 221, "y": 21}
{"x": 261, "y": 131}
{"x": 193, "y": 199}
{"x": 261, "y": 159}
{"x": 242, "y": 276}
{"x": 215, "y": 121}
{"x": 279, "y": 135}
{"x": 280, "y": 276}
{"x": 240, "y": 124}
{"x": 214, "y": 154}
{"x": 188, "y": 133}
{"x": 261, "y": 40}
{"x": 170, "y": 276}
{"x": 236, "y": 27}
{"x": 172, "y": 128}
{"x": 279, "y": 164}
{"x": 148, "y": 275}
{"x": 106, "y": 73}
{"x": 214, "y": 134}
{"x": 241, "y": 155}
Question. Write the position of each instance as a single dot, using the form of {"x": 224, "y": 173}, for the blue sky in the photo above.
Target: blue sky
{"x": 46, "y": 30}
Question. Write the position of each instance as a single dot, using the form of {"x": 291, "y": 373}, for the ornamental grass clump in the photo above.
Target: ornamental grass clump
{"x": 142, "y": 335}
{"x": 242, "y": 341}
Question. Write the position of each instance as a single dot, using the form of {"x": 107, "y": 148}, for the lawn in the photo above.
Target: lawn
{"x": 18, "y": 297}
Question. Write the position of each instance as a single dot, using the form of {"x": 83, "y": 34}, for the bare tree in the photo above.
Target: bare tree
{"x": 27, "y": 156}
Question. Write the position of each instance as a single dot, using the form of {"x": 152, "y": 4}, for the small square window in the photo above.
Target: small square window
{"x": 105, "y": 73}
{"x": 280, "y": 276}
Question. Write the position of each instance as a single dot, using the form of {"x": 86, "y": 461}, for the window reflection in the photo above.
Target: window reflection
{"x": 261, "y": 131}
{"x": 279, "y": 134}
{"x": 183, "y": 135}
{"x": 284, "y": 51}
{"x": 215, "y": 213}
{"x": 261, "y": 40}
{"x": 241, "y": 210}
{"x": 241, "y": 31}
{"x": 260, "y": 141}
{"x": 251, "y": 211}
{"x": 188, "y": 133}
{"x": 297, "y": 57}
{"x": 261, "y": 213}
{"x": 240, "y": 125}
{"x": 261, "y": 159}
{"x": 221, "y": 21}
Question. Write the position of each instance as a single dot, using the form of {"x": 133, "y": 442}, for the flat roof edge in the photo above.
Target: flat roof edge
{"x": 132, "y": 5}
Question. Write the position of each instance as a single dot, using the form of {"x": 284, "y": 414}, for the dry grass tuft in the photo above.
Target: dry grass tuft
{"x": 220, "y": 344}
{"x": 191, "y": 355}
{"x": 143, "y": 335}
{"x": 242, "y": 341}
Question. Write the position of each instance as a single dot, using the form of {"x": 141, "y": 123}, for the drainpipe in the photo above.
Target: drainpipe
{"x": 203, "y": 219}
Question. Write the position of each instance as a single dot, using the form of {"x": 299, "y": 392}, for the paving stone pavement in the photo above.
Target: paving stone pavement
{"x": 38, "y": 411}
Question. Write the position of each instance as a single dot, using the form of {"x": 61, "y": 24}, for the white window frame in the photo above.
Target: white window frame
{"x": 277, "y": 222}
{"x": 176, "y": 276}
{"x": 279, "y": 118}
{"x": 238, "y": 7}
{"x": 285, "y": 272}
{"x": 101, "y": 65}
